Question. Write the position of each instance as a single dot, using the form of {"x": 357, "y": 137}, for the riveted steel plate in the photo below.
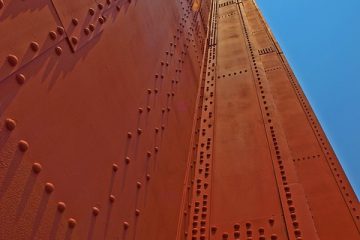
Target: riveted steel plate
{"x": 83, "y": 20}
{"x": 27, "y": 29}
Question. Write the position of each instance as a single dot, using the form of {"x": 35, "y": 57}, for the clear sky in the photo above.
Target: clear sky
{"x": 321, "y": 40}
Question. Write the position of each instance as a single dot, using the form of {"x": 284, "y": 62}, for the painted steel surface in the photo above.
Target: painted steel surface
{"x": 133, "y": 119}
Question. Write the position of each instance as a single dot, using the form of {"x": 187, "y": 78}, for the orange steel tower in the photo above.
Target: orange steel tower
{"x": 159, "y": 120}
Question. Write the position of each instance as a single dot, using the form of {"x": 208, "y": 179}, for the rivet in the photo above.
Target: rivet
{"x": 138, "y": 184}
{"x": 156, "y": 130}
{"x": 61, "y": 206}
{"x": 49, "y": 187}
{"x": 75, "y": 21}
{"x": 115, "y": 167}
{"x": 52, "y": 35}
{"x": 148, "y": 177}
{"x": 91, "y": 11}
{"x": 118, "y": 8}
{"x": 274, "y": 237}
{"x": 139, "y": 131}
{"x": 71, "y": 223}
{"x": 236, "y": 226}
{"x": 1, "y": 4}
{"x": 126, "y": 225}
{"x": 60, "y": 30}
{"x": 148, "y": 154}
{"x": 101, "y": 20}
{"x": 12, "y": 60}
{"x": 137, "y": 212}
{"x": 20, "y": 78}
{"x": 140, "y": 110}
{"x": 92, "y": 27}
{"x": 58, "y": 51}
{"x": 23, "y": 145}
{"x": 112, "y": 198}
{"x": 129, "y": 134}
{"x": 10, "y": 124}
{"x": 74, "y": 40}
{"x": 86, "y": 31}
{"x": 156, "y": 149}
{"x": 225, "y": 235}
{"x": 127, "y": 160}
{"x": 95, "y": 211}
{"x": 148, "y": 108}
{"x": 149, "y": 91}
{"x": 36, "y": 167}
{"x": 100, "y": 6}
{"x": 34, "y": 46}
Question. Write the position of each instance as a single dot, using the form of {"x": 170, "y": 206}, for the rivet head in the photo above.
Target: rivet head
{"x": 236, "y": 226}
{"x": 127, "y": 160}
{"x": 52, "y": 35}
{"x": 126, "y": 225}
{"x": 1, "y": 4}
{"x": 36, "y": 168}
{"x": 92, "y": 27}
{"x": 34, "y": 46}
{"x": 71, "y": 223}
{"x": 148, "y": 154}
{"x": 95, "y": 211}
{"x": 12, "y": 60}
{"x": 140, "y": 110}
{"x": 139, "y": 130}
{"x": 137, "y": 212}
{"x": 74, "y": 40}
{"x": 115, "y": 167}
{"x": 148, "y": 177}
{"x": 149, "y": 91}
{"x": 129, "y": 134}
{"x": 138, "y": 184}
{"x": 20, "y": 78}
{"x": 274, "y": 237}
{"x": 100, "y": 6}
{"x": 58, "y": 51}
{"x": 75, "y": 21}
{"x": 91, "y": 11}
{"x": 118, "y": 8}
{"x": 156, "y": 149}
{"x": 86, "y": 31}
{"x": 10, "y": 124}
{"x": 23, "y": 145}
{"x": 49, "y": 187}
{"x": 112, "y": 198}
{"x": 60, "y": 30}
{"x": 61, "y": 206}
{"x": 101, "y": 20}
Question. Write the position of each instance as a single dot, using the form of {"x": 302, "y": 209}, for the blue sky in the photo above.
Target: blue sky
{"x": 321, "y": 40}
